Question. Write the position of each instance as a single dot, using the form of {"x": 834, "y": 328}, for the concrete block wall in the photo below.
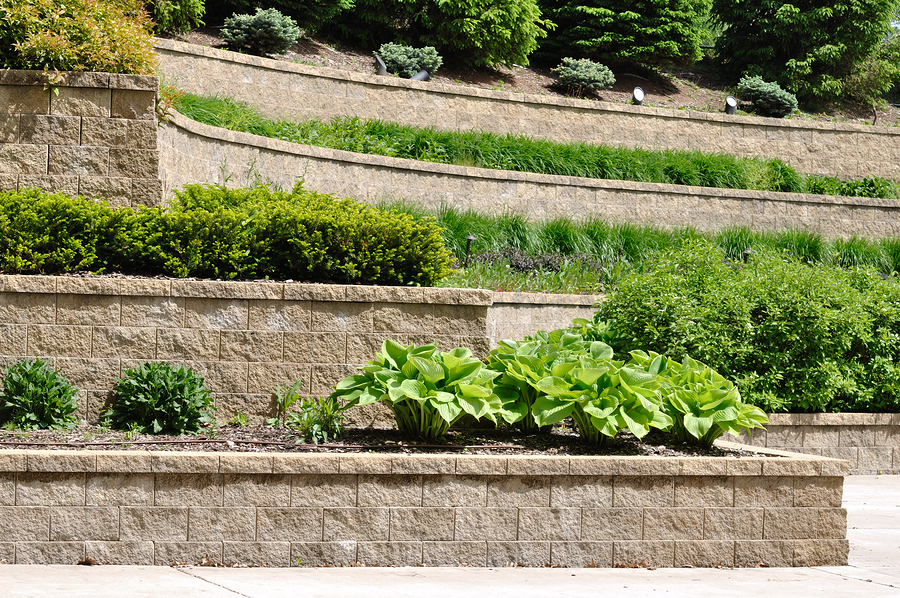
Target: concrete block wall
{"x": 195, "y": 153}
{"x": 870, "y": 442}
{"x": 142, "y": 508}
{"x": 90, "y": 134}
{"x": 245, "y": 339}
{"x": 286, "y": 90}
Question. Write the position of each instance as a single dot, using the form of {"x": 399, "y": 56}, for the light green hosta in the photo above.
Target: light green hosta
{"x": 427, "y": 390}
{"x": 702, "y": 404}
{"x": 602, "y": 396}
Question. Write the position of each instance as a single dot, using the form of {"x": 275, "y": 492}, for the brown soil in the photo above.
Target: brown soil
{"x": 695, "y": 88}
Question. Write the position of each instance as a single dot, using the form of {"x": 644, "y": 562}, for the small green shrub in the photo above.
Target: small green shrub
{"x": 177, "y": 16}
{"x": 318, "y": 419}
{"x": 768, "y": 98}
{"x": 159, "y": 398}
{"x": 77, "y": 35}
{"x": 406, "y": 61}
{"x": 266, "y": 32}
{"x": 583, "y": 74}
{"x": 35, "y": 397}
{"x": 309, "y": 14}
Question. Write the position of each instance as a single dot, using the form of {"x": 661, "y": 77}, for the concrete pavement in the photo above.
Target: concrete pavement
{"x": 873, "y": 521}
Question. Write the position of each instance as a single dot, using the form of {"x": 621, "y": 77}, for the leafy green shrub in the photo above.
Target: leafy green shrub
{"x": 406, "y": 61}
{"x": 265, "y": 32}
{"x": 768, "y": 98}
{"x": 159, "y": 398}
{"x": 427, "y": 390}
{"x": 177, "y": 16}
{"x": 583, "y": 74}
{"x": 35, "y": 397}
{"x": 77, "y": 35}
{"x": 309, "y": 14}
{"x": 318, "y": 419}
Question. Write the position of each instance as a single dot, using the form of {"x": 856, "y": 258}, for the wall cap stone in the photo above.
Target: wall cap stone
{"x": 82, "y": 79}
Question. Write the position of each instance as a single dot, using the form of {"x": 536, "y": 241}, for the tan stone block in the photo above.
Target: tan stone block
{"x": 7, "y": 489}
{"x": 9, "y": 129}
{"x": 317, "y": 554}
{"x": 123, "y": 462}
{"x": 133, "y": 163}
{"x": 486, "y": 524}
{"x": 454, "y": 491}
{"x": 454, "y": 554}
{"x": 549, "y": 524}
{"x": 732, "y": 523}
{"x": 49, "y": 553}
{"x": 55, "y": 461}
{"x": 50, "y": 489}
{"x": 795, "y": 467}
{"x": 832, "y": 524}
{"x": 124, "y": 342}
{"x": 13, "y": 460}
{"x": 120, "y": 553}
{"x": 314, "y": 292}
{"x": 74, "y": 159}
{"x": 361, "y": 348}
{"x": 417, "y": 523}
{"x": 89, "y": 373}
{"x": 84, "y": 523}
{"x": 265, "y": 378}
{"x": 520, "y": 491}
{"x": 144, "y": 287}
{"x": 838, "y": 468}
{"x": 820, "y": 553}
{"x": 186, "y": 553}
{"x": 818, "y": 492}
{"x": 257, "y": 490}
{"x": 874, "y": 459}
{"x": 360, "y": 524}
{"x": 306, "y": 463}
{"x": 324, "y": 377}
{"x": 104, "y": 132}
{"x": 423, "y": 464}
{"x": 673, "y": 524}
{"x": 119, "y": 489}
{"x": 390, "y": 490}
{"x": 217, "y": 289}
{"x": 330, "y": 490}
{"x": 390, "y": 554}
{"x": 819, "y": 436}
{"x": 23, "y": 159}
{"x": 252, "y": 463}
{"x": 188, "y": 344}
{"x": 481, "y": 465}
{"x": 88, "y": 286}
{"x": 366, "y": 464}
{"x": 461, "y": 320}
{"x": 162, "y": 312}
{"x": 649, "y": 466}
{"x": 207, "y": 524}
{"x": 115, "y": 190}
{"x": 280, "y": 315}
{"x": 790, "y": 523}
{"x": 251, "y": 345}
{"x": 141, "y": 134}
{"x": 184, "y": 463}
{"x": 289, "y": 524}
{"x": 18, "y": 524}
{"x": 593, "y": 466}
{"x": 643, "y": 491}
{"x": 704, "y": 491}
{"x": 581, "y": 491}
{"x": 81, "y": 101}
{"x": 189, "y": 489}
{"x": 704, "y": 553}
{"x": 27, "y": 308}
{"x": 341, "y": 317}
{"x": 612, "y": 524}
{"x": 550, "y": 466}
{"x": 529, "y": 554}
{"x": 24, "y": 99}
{"x": 857, "y": 436}
{"x": 403, "y": 317}
{"x": 59, "y": 341}
{"x": 216, "y": 314}
{"x": 703, "y": 467}
{"x": 133, "y": 104}
{"x": 135, "y": 82}
{"x": 153, "y": 523}
{"x": 8, "y": 182}
{"x": 659, "y": 553}
{"x": 763, "y": 491}
{"x": 783, "y": 436}
{"x": 146, "y": 191}
{"x": 221, "y": 376}
{"x": 49, "y": 130}
{"x": 744, "y": 466}
{"x": 65, "y": 184}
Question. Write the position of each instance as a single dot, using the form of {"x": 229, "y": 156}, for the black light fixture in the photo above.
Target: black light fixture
{"x": 380, "y": 66}
{"x": 637, "y": 96}
{"x": 469, "y": 239}
{"x": 730, "y": 105}
{"x": 422, "y": 75}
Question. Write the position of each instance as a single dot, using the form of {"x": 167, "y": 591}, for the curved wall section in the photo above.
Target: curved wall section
{"x": 282, "y": 89}
{"x": 191, "y": 152}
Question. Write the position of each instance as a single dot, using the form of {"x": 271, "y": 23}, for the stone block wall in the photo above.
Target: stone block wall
{"x": 91, "y": 134}
{"x": 870, "y": 442}
{"x": 286, "y": 90}
{"x": 195, "y": 153}
{"x": 141, "y": 508}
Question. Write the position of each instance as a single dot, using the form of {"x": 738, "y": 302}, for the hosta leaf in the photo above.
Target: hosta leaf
{"x": 443, "y": 397}
{"x": 553, "y": 386}
{"x": 548, "y": 411}
{"x": 636, "y": 423}
{"x": 449, "y": 412}
{"x": 561, "y": 369}
{"x": 431, "y": 371}
{"x": 474, "y": 406}
{"x": 414, "y": 389}
{"x": 410, "y": 370}
{"x": 589, "y": 376}
{"x": 635, "y": 378}
{"x": 729, "y": 413}
{"x": 394, "y": 353}
{"x": 472, "y": 391}
{"x": 600, "y": 350}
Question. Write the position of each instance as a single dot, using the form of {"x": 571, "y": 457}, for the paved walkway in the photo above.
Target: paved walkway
{"x": 872, "y": 502}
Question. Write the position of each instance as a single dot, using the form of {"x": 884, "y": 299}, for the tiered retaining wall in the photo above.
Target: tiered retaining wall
{"x": 139, "y": 508}
{"x": 195, "y": 153}
{"x": 247, "y": 338}
{"x": 91, "y": 134}
{"x": 283, "y": 89}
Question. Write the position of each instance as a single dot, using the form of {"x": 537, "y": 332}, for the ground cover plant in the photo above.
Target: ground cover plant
{"x": 36, "y": 397}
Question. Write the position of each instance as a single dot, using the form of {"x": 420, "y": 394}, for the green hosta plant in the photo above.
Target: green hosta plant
{"x": 602, "y": 396}
{"x": 426, "y": 389}
{"x": 703, "y": 405}
{"x": 35, "y": 397}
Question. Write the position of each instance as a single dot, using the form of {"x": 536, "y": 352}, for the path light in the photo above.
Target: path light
{"x": 637, "y": 96}
{"x": 421, "y": 76}
{"x": 469, "y": 239}
{"x": 730, "y": 105}
{"x": 380, "y": 66}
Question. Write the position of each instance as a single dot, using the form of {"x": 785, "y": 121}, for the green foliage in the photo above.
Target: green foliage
{"x": 426, "y": 389}
{"x": 406, "y": 61}
{"x": 265, "y": 32}
{"x": 877, "y": 74}
{"x": 35, "y": 397}
{"x": 768, "y": 98}
{"x": 285, "y": 398}
{"x": 309, "y": 14}
{"x": 318, "y": 419}
{"x": 648, "y": 32}
{"x": 583, "y": 74}
{"x": 159, "y": 398}
{"x": 811, "y": 49}
{"x": 477, "y": 32}
{"x": 870, "y": 186}
{"x": 793, "y": 336}
{"x": 78, "y": 35}
{"x": 177, "y": 16}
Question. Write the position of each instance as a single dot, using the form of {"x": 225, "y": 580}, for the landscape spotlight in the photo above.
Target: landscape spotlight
{"x": 469, "y": 239}
{"x": 637, "y": 96}
{"x": 380, "y": 66}
{"x": 730, "y": 105}
{"x": 422, "y": 75}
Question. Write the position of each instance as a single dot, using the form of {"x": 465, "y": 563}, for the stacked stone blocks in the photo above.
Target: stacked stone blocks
{"x": 282, "y": 510}
{"x": 90, "y": 134}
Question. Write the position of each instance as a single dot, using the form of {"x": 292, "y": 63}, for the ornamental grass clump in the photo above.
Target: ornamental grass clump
{"x": 36, "y": 397}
